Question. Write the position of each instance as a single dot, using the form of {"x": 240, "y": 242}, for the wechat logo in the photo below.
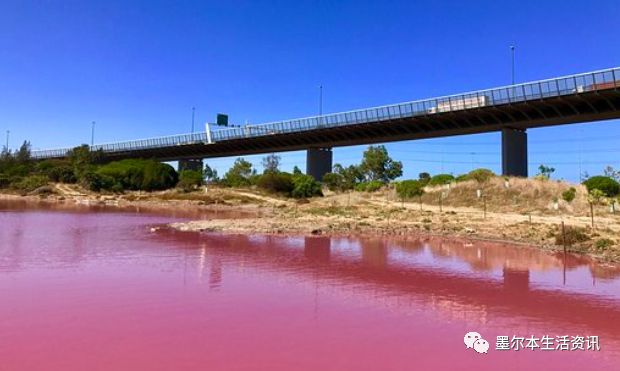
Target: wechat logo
{"x": 475, "y": 341}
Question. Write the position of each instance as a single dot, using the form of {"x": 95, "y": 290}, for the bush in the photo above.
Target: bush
{"x": 409, "y": 188}
{"x": 305, "y": 186}
{"x": 276, "y": 182}
{"x": 145, "y": 175}
{"x": 62, "y": 174}
{"x": 159, "y": 176}
{"x": 97, "y": 182}
{"x": 604, "y": 184}
{"x": 372, "y": 186}
{"x": 573, "y": 235}
{"x": 603, "y": 244}
{"x": 441, "y": 179}
{"x": 462, "y": 178}
{"x": 5, "y": 181}
{"x": 190, "y": 180}
{"x": 480, "y": 175}
{"x": 569, "y": 194}
{"x": 333, "y": 181}
{"x": 30, "y": 183}
{"x": 424, "y": 178}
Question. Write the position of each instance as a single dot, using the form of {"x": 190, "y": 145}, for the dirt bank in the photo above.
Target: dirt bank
{"x": 532, "y": 219}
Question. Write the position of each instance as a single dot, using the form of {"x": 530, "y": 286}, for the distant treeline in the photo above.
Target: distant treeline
{"x": 18, "y": 171}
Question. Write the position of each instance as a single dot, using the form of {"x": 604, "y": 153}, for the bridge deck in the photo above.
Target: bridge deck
{"x": 583, "y": 97}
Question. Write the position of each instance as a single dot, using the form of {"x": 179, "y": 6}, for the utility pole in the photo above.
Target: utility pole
{"x": 92, "y": 134}
{"x": 8, "y": 133}
{"x": 193, "y": 115}
{"x": 512, "y": 51}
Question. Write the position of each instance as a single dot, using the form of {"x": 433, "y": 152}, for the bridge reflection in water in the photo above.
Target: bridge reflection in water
{"x": 465, "y": 281}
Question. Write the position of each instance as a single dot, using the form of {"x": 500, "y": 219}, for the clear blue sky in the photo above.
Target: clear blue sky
{"x": 137, "y": 68}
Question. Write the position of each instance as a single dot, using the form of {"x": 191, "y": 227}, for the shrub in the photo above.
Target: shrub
{"x": 30, "y": 183}
{"x": 462, "y": 178}
{"x": 305, "y": 186}
{"x": 5, "y": 181}
{"x": 372, "y": 186}
{"x": 569, "y": 194}
{"x": 135, "y": 174}
{"x": 334, "y": 182}
{"x": 96, "y": 182}
{"x": 441, "y": 179}
{"x": 276, "y": 182}
{"x": 190, "y": 180}
{"x": 409, "y": 188}
{"x": 480, "y": 175}
{"x": 603, "y": 244}
{"x": 604, "y": 184}
{"x": 62, "y": 174}
{"x": 573, "y": 235}
{"x": 159, "y": 176}
{"x": 424, "y": 178}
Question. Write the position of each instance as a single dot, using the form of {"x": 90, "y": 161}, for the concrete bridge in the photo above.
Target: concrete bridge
{"x": 590, "y": 96}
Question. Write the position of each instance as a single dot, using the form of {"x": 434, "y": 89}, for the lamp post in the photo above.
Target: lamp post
{"x": 193, "y": 115}
{"x": 512, "y": 52}
{"x": 92, "y": 135}
{"x": 320, "y": 100}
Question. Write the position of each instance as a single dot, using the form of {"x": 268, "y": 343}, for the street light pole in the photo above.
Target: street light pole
{"x": 92, "y": 135}
{"x": 320, "y": 100}
{"x": 512, "y": 51}
{"x": 193, "y": 115}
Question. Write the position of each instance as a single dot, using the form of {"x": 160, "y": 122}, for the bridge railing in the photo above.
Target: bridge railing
{"x": 561, "y": 86}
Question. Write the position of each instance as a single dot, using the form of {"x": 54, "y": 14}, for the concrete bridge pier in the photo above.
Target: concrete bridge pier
{"x": 191, "y": 164}
{"x": 514, "y": 152}
{"x": 319, "y": 162}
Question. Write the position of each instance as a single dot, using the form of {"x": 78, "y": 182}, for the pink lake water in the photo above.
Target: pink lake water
{"x": 95, "y": 289}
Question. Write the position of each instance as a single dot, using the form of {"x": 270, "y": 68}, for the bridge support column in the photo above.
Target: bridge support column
{"x": 514, "y": 152}
{"x": 318, "y": 162}
{"x": 191, "y": 164}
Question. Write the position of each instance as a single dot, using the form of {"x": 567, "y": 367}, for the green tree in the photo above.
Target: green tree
{"x": 239, "y": 174}
{"x": 23, "y": 154}
{"x": 81, "y": 159}
{"x": 296, "y": 170}
{"x": 607, "y": 185}
{"x": 545, "y": 171}
{"x": 378, "y": 165}
{"x": 351, "y": 175}
{"x": 210, "y": 174}
{"x": 595, "y": 197}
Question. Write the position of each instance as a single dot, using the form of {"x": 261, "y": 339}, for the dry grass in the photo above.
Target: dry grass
{"x": 521, "y": 196}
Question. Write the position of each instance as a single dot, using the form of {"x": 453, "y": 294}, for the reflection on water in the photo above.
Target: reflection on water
{"x": 98, "y": 290}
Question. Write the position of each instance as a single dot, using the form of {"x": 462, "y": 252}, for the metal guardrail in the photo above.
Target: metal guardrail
{"x": 560, "y": 86}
